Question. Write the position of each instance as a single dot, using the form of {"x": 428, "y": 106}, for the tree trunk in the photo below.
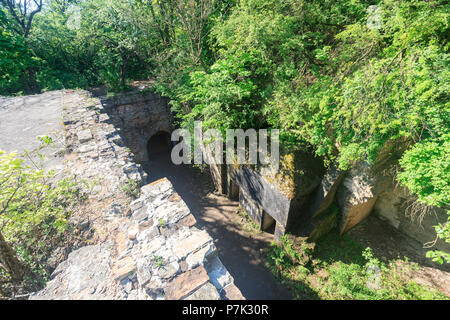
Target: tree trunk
{"x": 123, "y": 72}
{"x": 9, "y": 261}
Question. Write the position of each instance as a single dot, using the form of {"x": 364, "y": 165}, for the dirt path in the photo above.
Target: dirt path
{"x": 239, "y": 251}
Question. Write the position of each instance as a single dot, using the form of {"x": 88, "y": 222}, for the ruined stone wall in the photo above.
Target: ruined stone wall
{"x": 146, "y": 248}
{"x": 299, "y": 200}
{"x": 155, "y": 252}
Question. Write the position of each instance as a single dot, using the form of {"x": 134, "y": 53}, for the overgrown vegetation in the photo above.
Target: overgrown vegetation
{"x": 337, "y": 267}
{"x": 34, "y": 208}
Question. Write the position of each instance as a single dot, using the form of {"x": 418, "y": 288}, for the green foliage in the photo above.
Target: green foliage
{"x": 426, "y": 171}
{"x": 158, "y": 262}
{"x": 74, "y": 44}
{"x": 224, "y": 98}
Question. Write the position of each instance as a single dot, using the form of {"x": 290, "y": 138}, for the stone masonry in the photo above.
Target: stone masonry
{"x": 139, "y": 117}
{"x": 156, "y": 253}
{"x": 146, "y": 248}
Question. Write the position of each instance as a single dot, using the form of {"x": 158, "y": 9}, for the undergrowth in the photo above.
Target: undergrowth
{"x": 339, "y": 268}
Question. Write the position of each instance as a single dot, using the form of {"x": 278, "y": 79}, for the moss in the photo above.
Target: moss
{"x": 284, "y": 178}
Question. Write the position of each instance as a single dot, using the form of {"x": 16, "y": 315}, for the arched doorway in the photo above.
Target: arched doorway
{"x": 217, "y": 215}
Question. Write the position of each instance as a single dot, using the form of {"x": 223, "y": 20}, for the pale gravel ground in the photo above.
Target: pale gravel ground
{"x": 23, "y": 119}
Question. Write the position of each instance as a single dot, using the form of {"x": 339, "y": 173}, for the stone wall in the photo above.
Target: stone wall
{"x": 147, "y": 248}
{"x": 299, "y": 197}
{"x": 281, "y": 195}
{"x": 397, "y": 206}
{"x": 367, "y": 189}
{"x": 156, "y": 252}
{"x": 139, "y": 117}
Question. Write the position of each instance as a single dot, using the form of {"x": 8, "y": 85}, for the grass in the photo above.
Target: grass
{"x": 339, "y": 268}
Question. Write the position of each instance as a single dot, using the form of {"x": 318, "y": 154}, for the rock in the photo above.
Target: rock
{"x": 103, "y": 117}
{"x": 206, "y": 292}
{"x": 121, "y": 242}
{"x": 154, "y": 289}
{"x": 186, "y": 283}
{"x": 326, "y": 192}
{"x": 188, "y": 221}
{"x": 168, "y": 230}
{"x": 168, "y": 270}
{"x": 231, "y": 292}
{"x": 201, "y": 256}
{"x": 85, "y": 270}
{"x": 322, "y": 224}
{"x": 218, "y": 274}
{"x": 114, "y": 211}
{"x": 140, "y": 214}
{"x": 136, "y": 204}
{"x": 144, "y": 225}
{"x": 130, "y": 168}
{"x": 133, "y": 231}
{"x": 87, "y": 148}
{"x": 116, "y": 139}
{"x": 396, "y": 205}
{"x": 154, "y": 245}
{"x": 175, "y": 197}
{"x": 144, "y": 271}
{"x": 126, "y": 285}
